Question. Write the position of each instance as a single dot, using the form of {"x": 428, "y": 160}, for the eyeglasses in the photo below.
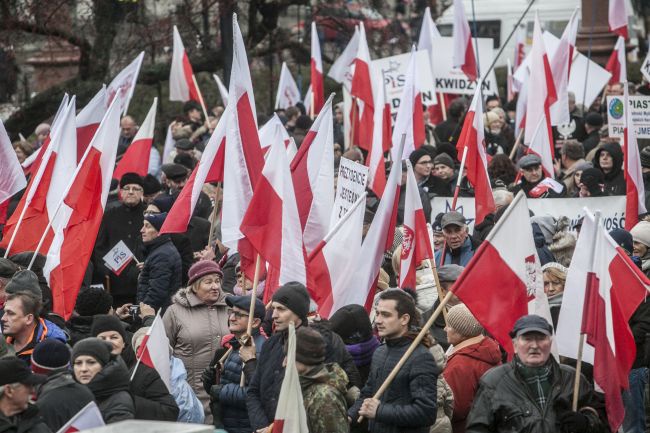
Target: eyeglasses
{"x": 132, "y": 189}
{"x": 237, "y": 314}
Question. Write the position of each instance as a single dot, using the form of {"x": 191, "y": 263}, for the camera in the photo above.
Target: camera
{"x": 134, "y": 311}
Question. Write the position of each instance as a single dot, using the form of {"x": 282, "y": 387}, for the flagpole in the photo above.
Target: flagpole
{"x": 459, "y": 179}
{"x": 443, "y": 109}
{"x": 352, "y": 120}
{"x": 434, "y": 270}
{"x": 425, "y": 329}
{"x": 585, "y": 304}
{"x": 251, "y": 311}
{"x": 513, "y": 152}
{"x": 141, "y": 352}
{"x": 205, "y": 112}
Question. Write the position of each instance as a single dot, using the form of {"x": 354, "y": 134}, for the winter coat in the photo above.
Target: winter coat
{"x": 615, "y": 179}
{"x": 121, "y": 223}
{"x": 545, "y": 255}
{"x": 445, "y": 396}
{"x": 640, "y": 326}
{"x": 161, "y": 274}
{"x": 194, "y": 330}
{"x": 79, "y": 328}
{"x": 504, "y": 404}
{"x": 111, "y": 388}
{"x": 527, "y": 187}
{"x": 591, "y": 141}
{"x": 27, "y": 421}
{"x": 151, "y": 396}
{"x": 409, "y": 403}
{"x": 462, "y": 256}
{"x": 198, "y": 231}
{"x": 426, "y": 290}
{"x": 190, "y": 408}
{"x": 362, "y": 355}
{"x": 464, "y": 369}
{"x": 60, "y": 398}
{"x": 43, "y": 330}
{"x": 323, "y": 395}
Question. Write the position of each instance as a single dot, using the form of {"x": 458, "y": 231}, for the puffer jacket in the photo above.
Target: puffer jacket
{"x": 151, "y": 396}
{"x": 60, "y": 398}
{"x": 111, "y": 388}
{"x": 190, "y": 408}
{"x": 323, "y": 394}
{"x": 161, "y": 275}
{"x": 28, "y": 421}
{"x": 464, "y": 369}
{"x": 503, "y": 403}
{"x": 43, "y": 330}
{"x": 194, "y": 330}
{"x": 409, "y": 403}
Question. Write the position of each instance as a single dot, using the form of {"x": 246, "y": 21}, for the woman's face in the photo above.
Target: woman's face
{"x": 115, "y": 339}
{"x": 85, "y": 368}
{"x": 639, "y": 249}
{"x": 20, "y": 154}
{"x": 209, "y": 289}
{"x": 606, "y": 161}
{"x": 576, "y": 177}
{"x": 552, "y": 285}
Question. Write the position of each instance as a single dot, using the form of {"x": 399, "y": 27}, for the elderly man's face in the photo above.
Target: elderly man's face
{"x": 533, "y": 348}
{"x": 128, "y": 127}
{"x": 532, "y": 174}
{"x": 455, "y": 235}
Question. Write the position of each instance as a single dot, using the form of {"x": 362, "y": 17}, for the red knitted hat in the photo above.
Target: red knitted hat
{"x": 203, "y": 268}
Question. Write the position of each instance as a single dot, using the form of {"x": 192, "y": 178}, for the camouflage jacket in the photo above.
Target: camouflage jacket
{"x": 323, "y": 393}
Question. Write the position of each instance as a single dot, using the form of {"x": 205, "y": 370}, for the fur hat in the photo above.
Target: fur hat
{"x": 461, "y": 319}
{"x": 131, "y": 179}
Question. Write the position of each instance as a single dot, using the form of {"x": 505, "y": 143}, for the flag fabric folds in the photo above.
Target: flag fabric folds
{"x": 410, "y": 118}
{"x": 288, "y": 94}
{"x": 136, "y": 156}
{"x": 616, "y": 62}
{"x": 635, "y": 189}
{"x": 181, "y": 82}
{"x": 316, "y": 64}
{"x": 87, "y": 418}
{"x": 617, "y": 17}
{"x": 124, "y": 83}
{"x": 154, "y": 351}
{"x": 362, "y": 91}
{"x": 463, "y": 56}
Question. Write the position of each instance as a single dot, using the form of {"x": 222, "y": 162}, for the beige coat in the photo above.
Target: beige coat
{"x": 195, "y": 330}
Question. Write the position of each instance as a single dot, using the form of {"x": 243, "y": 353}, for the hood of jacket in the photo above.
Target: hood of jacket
{"x": 113, "y": 378}
{"x": 186, "y": 298}
{"x": 331, "y": 374}
{"x": 616, "y": 151}
{"x": 486, "y": 350}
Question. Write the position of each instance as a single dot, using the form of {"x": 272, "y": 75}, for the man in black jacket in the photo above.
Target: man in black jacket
{"x": 409, "y": 403}
{"x": 16, "y": 387}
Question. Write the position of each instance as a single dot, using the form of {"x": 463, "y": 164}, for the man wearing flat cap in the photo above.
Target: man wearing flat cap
{"x": 530, "y": 169}
{"x": 533, "y": 393}
{"x": 459, "y": 245}
{"x": 16, "y": 387}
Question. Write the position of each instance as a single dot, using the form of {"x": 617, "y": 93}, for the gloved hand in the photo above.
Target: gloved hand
{"x": 574, "y": 422}
{"x": 214, "y": 392}
{"x": 208, "y": 377}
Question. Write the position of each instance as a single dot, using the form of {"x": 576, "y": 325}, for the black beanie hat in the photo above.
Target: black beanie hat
{"x": 416, "y": 155}
{"x": 310, "y": 346}
{"x": 106, "y": 322}
{"x": 94, "y": 347}
{"x": 594, "y": 180}
{"x": 24, "y": 281}
{"x": 156, "y": 220}
{"x": 50, "y": 355}
{"x": 93, "y": 301}
{"x": 164, "y": 202}
{"x": 352, "y": 323}
{"x": 131, "y": 179}
{"x": 151, "y": 185}
{"x": 294, "y": 296}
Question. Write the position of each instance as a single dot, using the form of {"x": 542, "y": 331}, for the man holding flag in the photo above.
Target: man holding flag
{"x": 16, "y": 387}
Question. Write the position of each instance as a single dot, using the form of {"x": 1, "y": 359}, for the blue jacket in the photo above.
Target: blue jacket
{"x": 190, "y": 407}
{"x": 161, "y": 275}
{"x": 466, "y": 252}
{"x": 44, "y": 329}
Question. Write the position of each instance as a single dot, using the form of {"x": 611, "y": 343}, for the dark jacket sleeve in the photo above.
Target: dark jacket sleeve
{"x": 481, "y": 416}
{"x": 422, "y": 410}
{"x": 233, "y": 395}
{"x": 118, "y": 407}
{"x": 367, "y": 391}
{"x": 160, "y": 280}
{"x": 154, "y": 402}
{"x": 254, "y": 404}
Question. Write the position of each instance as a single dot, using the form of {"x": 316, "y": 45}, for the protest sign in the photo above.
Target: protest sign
{"x": 351, "y": 183}
{"x": 612, "y": 209}
{"x": 118, "y": 258}
{"x": 640, "y": 106}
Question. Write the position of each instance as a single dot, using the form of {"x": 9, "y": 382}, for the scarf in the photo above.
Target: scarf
{"x": 538, "y": 380}
{"x": 362, "y": 352}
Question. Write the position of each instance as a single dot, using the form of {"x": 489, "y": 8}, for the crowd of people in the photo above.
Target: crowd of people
{"x": 458, "y": 379}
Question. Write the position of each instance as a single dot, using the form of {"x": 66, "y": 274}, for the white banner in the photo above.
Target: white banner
{"x": 118, "y": 257}
{"x": 351, "y": 183}
{"x": 452, "y": 80}
{"x": 640, "y": 106}
{"x": 612, "y": 209}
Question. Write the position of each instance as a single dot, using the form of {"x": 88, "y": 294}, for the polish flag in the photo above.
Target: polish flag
{"x": 87, "y": 418}
{"x": 429, "y": 37}
{"x": 362, "y": 91}
{"x": 330, "y": 267}
{"x": 290, "y": 415}
{"x": 616, "y": 63}
{"x": 472, "y": 137}
{"x": 80, "y": 215}
{"x": 463, "y": 48}
{"x": 317, "y": 88}
{"x": 288, "y": 94}
{"x": 124, "y": 83}
{"x": 88, "y": 120}
{"x": 615, "y": 287}
{"x": 416, "y": 246}
{"x": 168, "y": 146}
{"x": 312, "y": 171}
{"x": 181, "y": 77}
{"x": 209, "y": 169}
{"x": 410, "y": 118}
{"x": 635, "y": 189}
{"x": 12, "y": 178}
{"x": 381, "y": 131}
{"x": 31, "y": 164}
{"x": 272, "y": 223}
{"x": 223, "y": 90}
{"x": 617, "y": 17}
{"x": 510, "y": 82}
{"x": 561, "y": 69}
{"x": 136, "y": 157}
{"x": 508, "y": 273}
{"x": 520, "y": 46}
{"x": 522, "y": 102}
{"x": 45, "y": 190}
{"x": 538, "y": 135}
{"x": 267, "y": 133}
{"x": 154, "y": 351}
{"x": 341, "y": 70}
{"x": 243, "y": 154}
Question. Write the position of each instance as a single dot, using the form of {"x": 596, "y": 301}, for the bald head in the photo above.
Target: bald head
{"x": 128, "y": 127}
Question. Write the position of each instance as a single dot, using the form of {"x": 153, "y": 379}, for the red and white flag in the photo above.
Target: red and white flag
{"x": 209, "y": 169}
{"x": 267, "y": 133}
{"x": 508, "y": 273}
{"x": 538, "y": 135}
{"x": 362, "y": 91}
{"x": 464, "y": 57}
{"x": 12, "y": 178}
{"x": 181, "y": 76}
{"x": 290, "y": 415}
{"x": 472, "y": 138}
{"x": 380, "y": 134}
{"x": 124, "y": 83}
{"x": 341, "y": 70}
{"x": 77, "y": 222}
{"x": 416, "y": 246}
{"x": 410, "y": 118}
{"x": 272, "y": 224}
{"x": 617, "y": 17}
{"x": 616, "y": 63}
{"x": 87, "y": 418}
{"x": 154, "y": 351}
{"x": 615, "y": 287}
{"x": 429, "y": 37}
{"x": 522, "y": 102}
{"x": 223, "y": 90}
{"x": 561, "y": 69}
{"x": 136, "y": 157}
{"x": 45, "y": 190}
{"x": 511, "y": 92}
{"x": 317, "y": 87}
{"x": 312, "y": 171}
{"x": 243, "y": 154}
{"x": 88, "y": 120}
{"x": 32, "y": 162}
{"x": 330, "y": 266}
{"x": 520, "y": 46}
{"x": 288, "y": 94}
{"x": 635, "y": 189}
